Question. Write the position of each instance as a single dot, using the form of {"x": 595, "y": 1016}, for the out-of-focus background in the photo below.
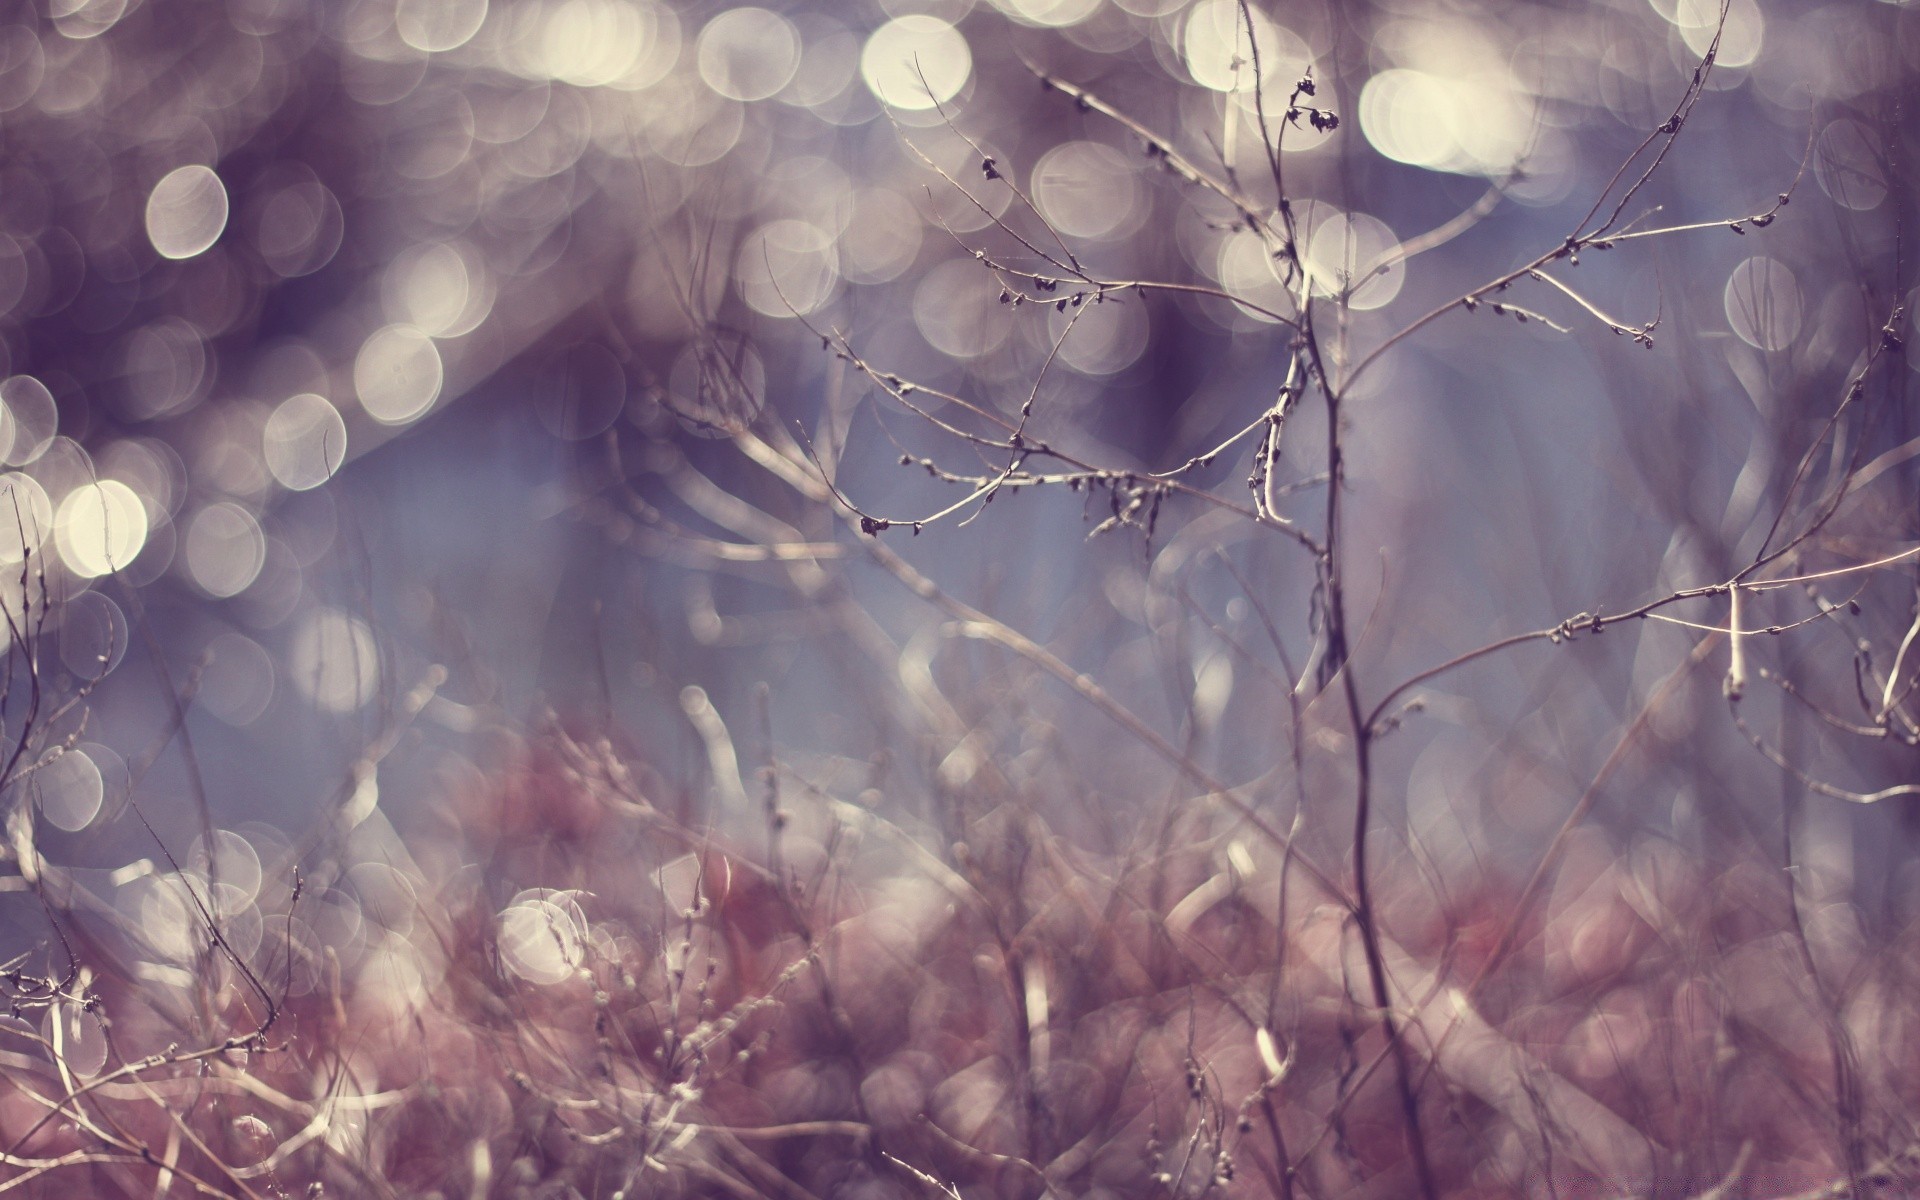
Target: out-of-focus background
{"x": 317, "y": 321}
{"x": 367, "y": 370}
{"x": 437, "y": 435}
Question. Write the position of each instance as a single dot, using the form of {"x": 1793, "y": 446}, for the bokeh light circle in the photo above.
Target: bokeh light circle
{"x": 748, "y": 53}
{"x": 1741, "y": 38}
{"x": 429, "y": 287}
{"x": 883, "y": 237}
{"x": 1048, "y": 14}
{"x": 305, "y": 441}
{"x": 433, "y": 26}
{"x": 828, "y": 63}
{"x": 787, "y": 268}
{"x": 81, "y": 19}
{"x": 1846, "y": 162}
{"x": 224, "y": 549}
{"x": 1762, "y": 300}
{"x": 236, "y": 682}
{"x": 100, "y": 528}
{"x": 228, "y": 862}
{"x": 397, "y": 374}
{"x": 1214, "y": 47}
{"x": 1102, "y": 339}
{"x": 23, "y": 65}
{"x": 958, "y": 312}
{"x": 1354, "y": 254}
{"x": 593, "y": 43}
{"x": 93, "y": 635}
{"x": 916, "y": 62}
{"x": 186, "y": 212}
{"x": 29, "y": 418}
{"x": 541, "y": 941}
{"x": 69, "y": 791}
{"x": 1245, "y": 267}
{"x": 1466, "y": 124}
{"x": 691, "y": 125}
{"x": 1087, "y": 190}
{"x": 26, "y": 516}
{"x": 334, "y": 660}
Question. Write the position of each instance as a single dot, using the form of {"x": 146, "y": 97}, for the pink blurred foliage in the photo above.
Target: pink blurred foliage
{"x": 842, "y": 1011}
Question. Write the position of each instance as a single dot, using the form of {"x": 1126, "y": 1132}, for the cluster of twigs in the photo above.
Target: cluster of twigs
{"x": 900, "y": 977}
{"x": 1041, "y": 270}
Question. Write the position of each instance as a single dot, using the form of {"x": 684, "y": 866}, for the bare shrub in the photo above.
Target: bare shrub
{"x": 1363, "y": 811}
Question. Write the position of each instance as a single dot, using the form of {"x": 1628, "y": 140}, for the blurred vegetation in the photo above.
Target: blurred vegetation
{"x": 936, "y": 598}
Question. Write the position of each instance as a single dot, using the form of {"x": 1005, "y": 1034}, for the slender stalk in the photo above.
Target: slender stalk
{"x": 1365, "y": 916}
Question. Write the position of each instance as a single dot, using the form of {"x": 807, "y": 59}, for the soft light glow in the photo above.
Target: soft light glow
{"x": 1478, "y": 124}
{"x": 236, "y": 684}
{"x": 883, "y": 238}
{"x": 224, "y": 549}
{"x": 100, "y": 528}
{"x": 26, "y": 516}
{"x": 1245, "y": 268}
{"x": 828, "y": 63}
{"x": 1055, "y": 14}
{"x": 916, "y": 62}
{"x": 1087, "y": 190}
{"x": 438, "y": 25}
{"x": 787, "y": 268}
{"x": 80, "y": 19}
{"x": 748, "y": 53}
{"x": 93, "y": 635}
{"x": 305, "y": 441}
{"x": 428, "y": 287}
{"x": 164, "y": 367}
{"x": 1740, "y": 40}
{"x": 958, "y": 311}
{"x": 542, "y": 938}
{"x": 28, "y": 420}
{"x": 231, "y": 864}
{"x": 334, "y": 660}
{"x": 1355, "y": 255}
{"x": 691, "y": 125}
{"x": 1102, "y": 339}
{"x": 69, "y": 791}
{"x": 186, "y": 212}
{"x": 397, "y": 374}
{"x": 593, "y": 43}
{"x": 1214, "y": 46}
